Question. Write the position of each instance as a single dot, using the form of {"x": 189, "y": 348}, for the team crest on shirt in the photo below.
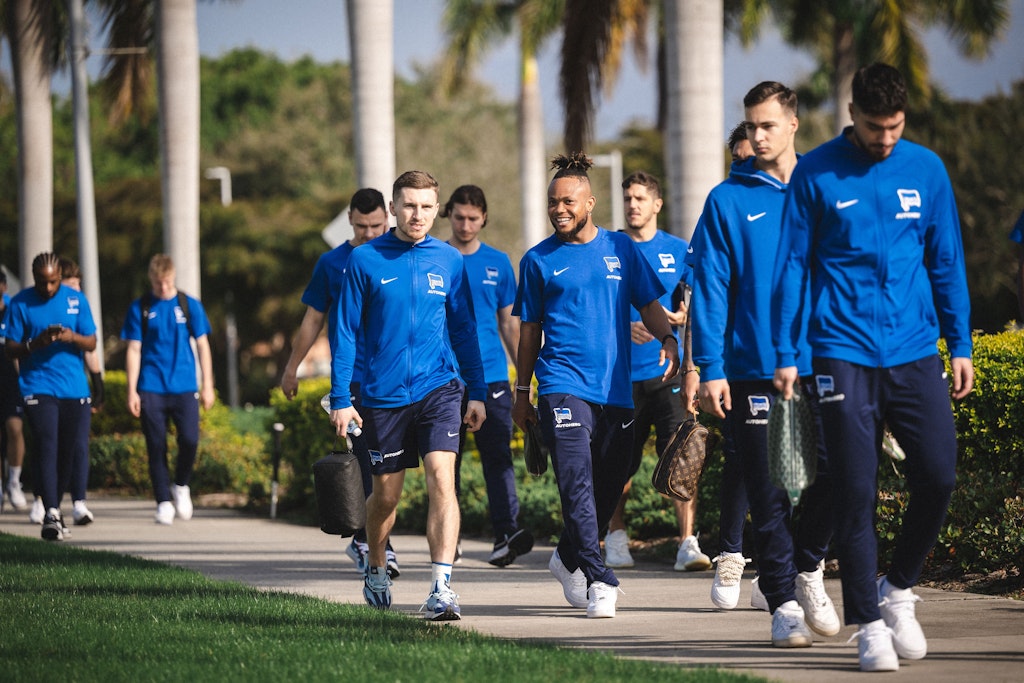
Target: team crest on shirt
{"x": 668, "y": 263}
{"x": 490, "y": 275}
{"x": 612, "y": 264}
{"x": 73, "y": 305}
{"x": 909, "y": 199}
{"x": 826, "y": 386}
{"x": 436, "y": 283}
{"x": 179, "y": 316}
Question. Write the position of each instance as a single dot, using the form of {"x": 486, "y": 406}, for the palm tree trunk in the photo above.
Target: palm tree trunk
{"x": 531, "y": 153}
{"x": 178, "y": 92}
{"x": 370, "y": 35}
{"x": 845, "y": 67}
{"x": 88, "y": 255}
{"x": 694, "y": 136}
{"x": 30, "y": 34}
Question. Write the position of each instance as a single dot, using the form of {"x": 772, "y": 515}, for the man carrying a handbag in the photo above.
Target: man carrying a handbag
{"x": 733, "y": 258}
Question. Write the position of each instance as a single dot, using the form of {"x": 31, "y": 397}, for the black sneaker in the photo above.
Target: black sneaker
{"x": 53, "y": 525}
{"x": 511, "y": 546}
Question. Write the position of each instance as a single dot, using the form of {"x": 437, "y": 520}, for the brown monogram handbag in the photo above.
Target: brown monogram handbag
{"x": 680, "y": 465}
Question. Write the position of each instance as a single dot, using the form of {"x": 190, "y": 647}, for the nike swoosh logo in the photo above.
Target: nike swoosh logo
{"x": 390, "y": 279}
{"x": 848, "y": 203}
{"x": 625, "y": 425}
{"x": 497, "y": 394}
{"x": 451, "y": 434}
{"x": 559, "y": 272}
{"x": 754, "y": 217}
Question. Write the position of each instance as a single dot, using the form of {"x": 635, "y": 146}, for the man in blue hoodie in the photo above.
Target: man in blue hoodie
{"x": 733, "y": 258}
{"x": 407, "y": 297}
{"x": 870, "y": 224}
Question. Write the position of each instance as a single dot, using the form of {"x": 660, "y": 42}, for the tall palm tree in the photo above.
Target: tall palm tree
{"x": 370, "y": 37}
{"x": 178, "y": 96}
{"x": 596, "y": 32}
{"x": 845, "y": 35}
{"x": 30, "y": 30}
{"x": 472, "y": 26}
{"x": 694, "y": 79}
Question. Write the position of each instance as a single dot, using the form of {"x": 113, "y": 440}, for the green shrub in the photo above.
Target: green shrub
{"x": 228, "y": 460}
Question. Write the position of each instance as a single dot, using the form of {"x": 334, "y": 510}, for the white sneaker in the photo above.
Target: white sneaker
{"x": 16, "y": 496}
{"x": 81, "y": 514}
{"x": 897, "y": 607}
{"x": 875, "y": 648}
{"x": 757, "y": 599}
{"x": 819, "y": 612}
{"x": 616, "y": 550}
{"x": 690, "y": 558}
{"x": 725, "y": 589}
{"x": 601, "y": 604}
{"x": 165, "y": 513}
{"x": 182, "y": 496}
{"x": 574, "y": 584}
{"x": 788, "y": 627}
{"x": 38, "y": 512}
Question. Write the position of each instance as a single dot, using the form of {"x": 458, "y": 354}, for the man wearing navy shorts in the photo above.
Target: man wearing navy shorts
{"x": 576, "y": 289}
{"x": 368, "y": 216}
{"x": 870, "y": 224}
{"x": 406, "y": 296}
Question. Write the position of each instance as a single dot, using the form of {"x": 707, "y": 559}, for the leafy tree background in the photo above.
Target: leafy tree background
{"x": 284, "y": 130}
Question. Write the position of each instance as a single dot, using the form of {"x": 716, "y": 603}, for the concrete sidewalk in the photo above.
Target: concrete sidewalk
{"x": 662, "y": 616}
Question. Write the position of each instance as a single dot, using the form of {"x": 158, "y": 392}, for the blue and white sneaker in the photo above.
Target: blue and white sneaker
{"x": 442, "y": 605}
{"x": 391, "y": 561}
{"x": 377, "y": 588}
{"x": 359, "y": 552}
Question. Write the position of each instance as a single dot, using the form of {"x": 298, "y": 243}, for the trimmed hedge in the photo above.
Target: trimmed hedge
{"x": 228, "y": 460}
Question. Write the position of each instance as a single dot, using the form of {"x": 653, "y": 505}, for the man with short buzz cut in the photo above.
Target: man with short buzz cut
{"x": 368, "y": 216}
{"x": 575, "y": 293}
{"x": 406, "y": 296}
{"x": 870, "y": 227}
{"x": 733, "y": 258}
{"x": 161, "y": 373}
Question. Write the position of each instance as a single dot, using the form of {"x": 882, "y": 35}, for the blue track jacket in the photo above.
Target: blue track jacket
{"x": 733, "y": 259}
{"x": 413, "y": 304}
{"x": 880, "y": 242}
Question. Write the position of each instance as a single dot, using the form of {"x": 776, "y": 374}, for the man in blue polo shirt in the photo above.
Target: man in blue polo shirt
{"x": 870, "y": 224}
{"x": 369, "y": 219}
{"x": 161, "y": 372}
{"x": 575, "y": 293}
{"x": 493, "y": 285}
{"x": 49, "y": 326}
{"x": 405, "y": 294}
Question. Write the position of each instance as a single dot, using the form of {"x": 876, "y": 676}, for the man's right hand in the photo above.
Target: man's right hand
{"x": 134, "y": 403}
{"x": 340, "y": 417}
{"x": 289, "y": 384}
{"x": 785, "y": 380}
{"x": 522, "y": 410}
{"x": 715, "y": 397}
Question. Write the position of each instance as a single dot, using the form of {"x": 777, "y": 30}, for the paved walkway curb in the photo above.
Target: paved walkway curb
{"x": 662, "y": 615}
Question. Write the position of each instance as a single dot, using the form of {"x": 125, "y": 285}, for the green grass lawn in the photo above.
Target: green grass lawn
{"x": 79, "y": 615}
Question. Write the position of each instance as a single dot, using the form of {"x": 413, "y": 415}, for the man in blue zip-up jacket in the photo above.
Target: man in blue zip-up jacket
{"x": 733, "y": 257}
{"x": 871, "y": 222}
{"x": 407, "y": 295}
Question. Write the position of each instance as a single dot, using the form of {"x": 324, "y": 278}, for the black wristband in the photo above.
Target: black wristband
{"x": 669, "y": 336}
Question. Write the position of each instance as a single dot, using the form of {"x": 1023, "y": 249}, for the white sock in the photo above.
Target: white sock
{"x": 14, "y": 474}
{"x": 440, "y": 574}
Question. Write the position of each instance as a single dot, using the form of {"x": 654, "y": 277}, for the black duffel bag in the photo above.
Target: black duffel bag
{"x": 339, "y": 493}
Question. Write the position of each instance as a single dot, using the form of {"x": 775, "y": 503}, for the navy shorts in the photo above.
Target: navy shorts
{"x": 396, "y": 437}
